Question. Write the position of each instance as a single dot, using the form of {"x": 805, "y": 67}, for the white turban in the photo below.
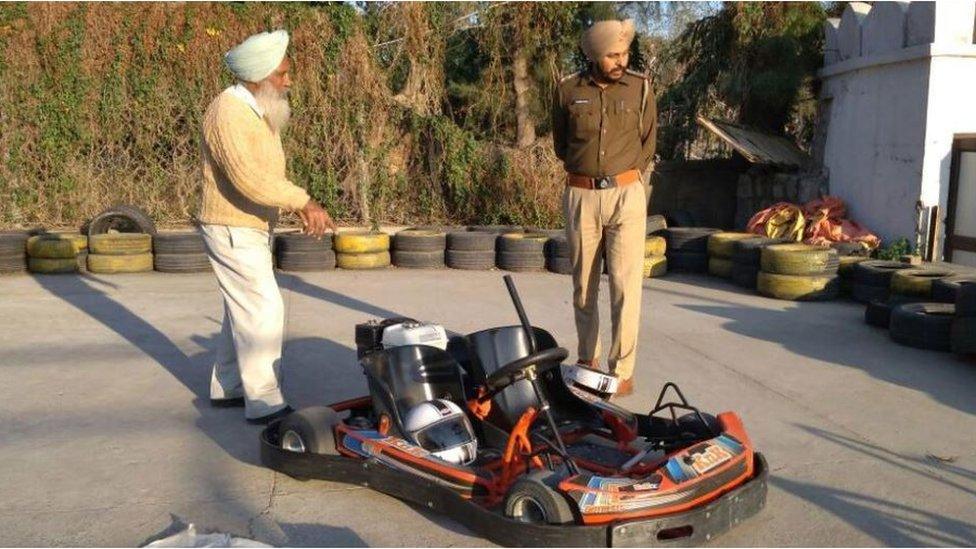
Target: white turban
{"x": 255, "y": 58}
{"x": 606, "y": 36}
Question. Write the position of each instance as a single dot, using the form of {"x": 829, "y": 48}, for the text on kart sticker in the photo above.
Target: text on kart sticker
{"x": 712, "y": 457}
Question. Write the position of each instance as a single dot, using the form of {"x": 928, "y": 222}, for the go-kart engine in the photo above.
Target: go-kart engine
{"x": 396, "y": 332}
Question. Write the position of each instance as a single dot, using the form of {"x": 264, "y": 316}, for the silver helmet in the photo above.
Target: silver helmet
{"x": 440, "y": 427}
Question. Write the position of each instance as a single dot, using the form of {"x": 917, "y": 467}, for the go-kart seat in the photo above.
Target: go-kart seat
{"x": 400, "y": 378}
{"x": 489, "y": 350}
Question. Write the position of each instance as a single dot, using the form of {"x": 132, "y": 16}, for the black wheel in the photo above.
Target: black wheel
{"x": 655, "y": 223}
{"x": 471, "y": 241}
{"x": 688, "y": 239}
{"x": 534, "y": 500}
{"x": 182, "y": 263}
{"x": 309, "y": 430}
{"x": 124, "y": 218}
{"x": 923, "y": 325}
{"x": 179, "y": 243}
{"x": 302, "y": 243}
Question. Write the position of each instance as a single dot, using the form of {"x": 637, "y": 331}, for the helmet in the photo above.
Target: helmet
{"x": 590, "y": 381}
{"x": 440, "y": 427}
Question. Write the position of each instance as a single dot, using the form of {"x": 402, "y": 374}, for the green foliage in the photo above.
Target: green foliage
{"x": 895, "y": 250}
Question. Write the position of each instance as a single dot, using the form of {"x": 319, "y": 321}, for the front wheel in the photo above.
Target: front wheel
{"x": 533, "y": 500}
{"x": 309, "y": 430}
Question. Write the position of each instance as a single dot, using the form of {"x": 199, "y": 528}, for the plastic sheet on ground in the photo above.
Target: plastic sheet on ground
{"x": 781, "y": 220}
{"x": 190, "y": 538}
{"x": 820, "y": 222}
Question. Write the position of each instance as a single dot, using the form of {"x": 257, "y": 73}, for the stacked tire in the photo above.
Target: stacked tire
{"x": 871, "y": 280}
{"x": 655, "y": 256}
{"x": 471, "y": 250}
{"x": 720, "y": 250}
{"x": 297, "y": 252}
{"x": 946, "y": 290}
{"x": 798, "y": 272}
{"x": 112, "y": 253}
{"x": 180, "y": 252}
{"x": 557, "y": 253}
{"x": 917, "y": 282}
{"x": 923, "y": 325}
{"x": 962, "y": 335}
{"x": 746, "y": 259}
{"x": 522, "y": 252}
{"x": 687, "y": 248}
{"x": 362, "y": 250}
{"x": 419, "y": 248}
{"x": 53, "y": 253}
{"x": 13, "y": 252}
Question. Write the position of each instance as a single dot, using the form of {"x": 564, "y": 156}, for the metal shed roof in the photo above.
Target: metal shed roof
{"x": 756, "y": 146}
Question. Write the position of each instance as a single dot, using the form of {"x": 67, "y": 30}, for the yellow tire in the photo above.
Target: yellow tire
{"x": 720, "y": 244}
{"x": 52, "y": 266}
{"x": 720, "y": 267}
{"x": 120, "y": 244}
{"x": 916, "y": 282}
{"x": 56, "y": 246}
{"x": 372, "y": 260}
{"x": 111, "y": 264}
{"x": 655, "y": 246}
{"x": 361, "y": 242}
{"x": 798, "y": 287}
{"x": 798, "y": 259}
{"x": 655, "y": 266}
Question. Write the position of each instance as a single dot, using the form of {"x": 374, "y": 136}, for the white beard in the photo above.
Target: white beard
{"x": 277, "y": 111}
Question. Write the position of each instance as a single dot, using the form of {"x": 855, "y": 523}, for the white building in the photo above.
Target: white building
{"x": 899, "y": 103}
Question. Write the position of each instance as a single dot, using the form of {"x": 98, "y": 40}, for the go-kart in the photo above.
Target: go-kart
{"x": 555, "y": 465}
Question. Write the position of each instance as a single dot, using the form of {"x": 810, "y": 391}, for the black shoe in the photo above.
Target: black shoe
{"x": 264, "y": 420}
{"x": 227, "y": 402}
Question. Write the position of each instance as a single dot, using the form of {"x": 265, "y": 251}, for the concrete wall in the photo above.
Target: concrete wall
{"x": 705, "y": 188}
{"x": 894, "y": 103}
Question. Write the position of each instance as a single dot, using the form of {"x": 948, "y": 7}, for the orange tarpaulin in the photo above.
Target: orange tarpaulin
{"x": 820, "y": 222}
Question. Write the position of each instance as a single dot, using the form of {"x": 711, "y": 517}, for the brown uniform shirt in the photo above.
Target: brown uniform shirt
{"x": 597, "y": 131}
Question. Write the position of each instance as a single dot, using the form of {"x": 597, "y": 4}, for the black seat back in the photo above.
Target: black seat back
{"x": 402, "y": 377}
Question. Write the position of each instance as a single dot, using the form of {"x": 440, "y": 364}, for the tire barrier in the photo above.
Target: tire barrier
{"x": 945, "y": 290}
{"x": 917, "y": 282}
{"x": 871, "y": 280}
{"x": 746, "y": 255}
{"x": 471, "y": 250}
{"x": 297, "y": 252}
{"x": 798, "y": 259}
{"x": 363, "y": 261}
{"x": 655, "y": 266}
{"x": 721, "y": 245}
{"x": 180, "y": 252}
{"x": 720, "y": 267}
{"x": 361, "y": 242}
{"x": 798, "y": 287}
{"x": 120, "y": 244}
{"x": 52, "y": 266}
{"x": 923, "y": 325}
{"x": 963, "y": 331}
{"x": 120, "y": 263}
{"x": 123, "y": 218}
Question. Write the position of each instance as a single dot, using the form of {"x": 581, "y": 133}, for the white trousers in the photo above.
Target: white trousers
{"x": 249, "y": 345}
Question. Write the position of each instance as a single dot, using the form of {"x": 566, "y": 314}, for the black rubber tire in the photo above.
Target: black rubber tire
{"x": 521, "y": 261}
{"x": 962, "y": 335}
{"x": 688, "y": 239}
{"x": 301, "y": 243}
{"x": 13, "y": 263}
{"x": 13, "y": 244}
{"x": 917, "y": 281}
{"x": 124, "y": 218}
{"x": 864, "y": 293}
{"x": 877, "y": 272}
{"x": 688, "y": 262}
{"x": 83, "y": 261}
{"x": 557, "y": 246}
{"x": 945, "y": 290}
{"x": 536, "y": 491}
{"x": 878, "y": 313}
{"x": 181, "y": 263}
{"x": 179, "y": 243}
{"x": 471, "y": 260}
{"x": 656, "y": 223}
{"x": 744, "y": 275}
{"x": 966, "y": 300}
{"x": 321, "y": 260}
{"x": 923, "y": 325}
{"x": 495, "y": 229}
{"x": 471, "y": 241}
{"x": 798, "y": 287}
{"x": 749, "y": 251}
{"x": 522, "y": 243}
{"x": 419, "y": 260}
{"x": 850, "y": 248}
{"x": 560, "y": 265}
{"x": 799, "y": 260}
{"x": 314, "y": 426}
{"x": 420, "y": 240}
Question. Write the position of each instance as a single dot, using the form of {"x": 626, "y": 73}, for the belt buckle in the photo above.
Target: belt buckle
{"x": 601, "y": 182}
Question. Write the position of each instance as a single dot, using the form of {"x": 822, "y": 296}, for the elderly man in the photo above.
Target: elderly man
{"x": 604, "y": 130}
{"x": 244, "y": 188}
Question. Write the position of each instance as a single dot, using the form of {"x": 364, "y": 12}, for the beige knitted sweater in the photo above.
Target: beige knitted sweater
{"x": 244, "y": 183}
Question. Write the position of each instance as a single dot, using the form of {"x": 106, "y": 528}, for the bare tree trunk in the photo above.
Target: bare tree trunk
{"x": 525, "y": 132}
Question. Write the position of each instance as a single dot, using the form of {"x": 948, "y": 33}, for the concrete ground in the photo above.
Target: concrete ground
{"x": 107, "y": 438}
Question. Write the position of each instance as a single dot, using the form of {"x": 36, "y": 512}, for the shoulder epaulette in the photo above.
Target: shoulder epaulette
{"x": 568, "y": 76}
{"x": 632, "y": 72}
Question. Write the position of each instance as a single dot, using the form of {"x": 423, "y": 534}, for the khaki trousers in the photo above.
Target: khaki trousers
{"x": 249, "y": 345}
{"x": 614, "y": 220}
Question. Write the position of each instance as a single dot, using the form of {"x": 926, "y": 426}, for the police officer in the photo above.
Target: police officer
{"x": 604, "y": 129}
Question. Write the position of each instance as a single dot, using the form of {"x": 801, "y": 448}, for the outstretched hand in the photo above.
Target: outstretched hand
{"x": 316, "y": 220}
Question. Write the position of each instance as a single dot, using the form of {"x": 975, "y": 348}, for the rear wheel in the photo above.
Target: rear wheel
{"x": 534, "y": 500}
{"x": 309, "y": 430}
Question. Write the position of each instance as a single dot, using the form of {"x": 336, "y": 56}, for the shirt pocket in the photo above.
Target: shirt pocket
{"x": 582, "y": 120}
{"x": 626, "y": 116}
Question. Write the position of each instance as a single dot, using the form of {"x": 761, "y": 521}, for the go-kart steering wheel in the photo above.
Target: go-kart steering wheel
{"x": 517, "y": 370}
